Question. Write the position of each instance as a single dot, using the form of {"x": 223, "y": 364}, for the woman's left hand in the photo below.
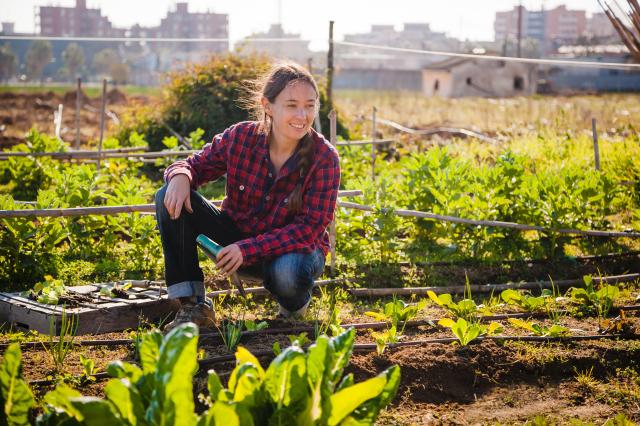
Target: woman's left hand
{"x": 229, "y": 259}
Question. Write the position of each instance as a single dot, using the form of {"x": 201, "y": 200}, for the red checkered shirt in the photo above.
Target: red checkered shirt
{"x": 256, "y": 199}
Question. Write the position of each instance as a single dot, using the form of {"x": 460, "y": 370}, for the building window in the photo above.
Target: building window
{"x": 518, "y": 83}
{"x": 468, "y": 81}
{"x": 436, "y": 85}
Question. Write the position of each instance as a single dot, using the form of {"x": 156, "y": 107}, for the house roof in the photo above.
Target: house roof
{"x": 447, "y": 64}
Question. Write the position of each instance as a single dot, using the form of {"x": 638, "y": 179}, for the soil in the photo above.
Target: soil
{"x": 19, "y": 112}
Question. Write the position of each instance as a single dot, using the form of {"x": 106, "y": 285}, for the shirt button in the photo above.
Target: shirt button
{"x": 267, "y": 197}
{"x": 241, "y": 187}
{"x": 270, "y": 175}
{"x": 285, "y": 200}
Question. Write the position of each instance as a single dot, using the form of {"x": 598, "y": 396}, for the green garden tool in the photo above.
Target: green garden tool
{"x": 211, "y": 249}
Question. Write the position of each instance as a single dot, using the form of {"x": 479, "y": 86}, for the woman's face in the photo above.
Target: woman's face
{"x": 292, "y": 112}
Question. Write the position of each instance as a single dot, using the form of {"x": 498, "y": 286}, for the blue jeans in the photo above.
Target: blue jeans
{"x": 289, "y": 277}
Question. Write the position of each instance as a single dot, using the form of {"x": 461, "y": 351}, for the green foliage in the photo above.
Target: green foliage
{"x": 600, "y": 300}
{"x": 58, "y": 349}
{"x": 48, "y": 291}
{"x": 467, "y": 331}
{"x": 556, "y": 330}
{"x": 296, "y": 388}
{"x": 465, "y": 308}
{"x": 525, "y": 301}
{"x": 15, "y": 396}
{"x": 231, "y": 331}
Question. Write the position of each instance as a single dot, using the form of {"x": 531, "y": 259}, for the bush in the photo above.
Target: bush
{"x": 205, "y": 96}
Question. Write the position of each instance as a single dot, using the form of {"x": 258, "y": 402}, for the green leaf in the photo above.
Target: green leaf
{"x": 318, "y": 405}
{"x": 15, "y": 394}
{"x": 214, "y": 385}
{"x": 126, "y": 399}
{"x": 172, "y": 397}
{"x": 284, "y": 380}
{"x": 150, "y": 350}
{"x": 342, "y": 349}
{"x": 345, "y": 401}
{"x": 96, "y": 411}
{"x": 367, "y": 413}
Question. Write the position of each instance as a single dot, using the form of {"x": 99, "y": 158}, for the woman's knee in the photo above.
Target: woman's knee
{"x": 290, "y": 276}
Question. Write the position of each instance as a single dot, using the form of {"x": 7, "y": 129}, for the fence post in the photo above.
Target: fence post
{"x": 332, "y": 226}
{"x": 78, "y": 106}
{"x": 596, "y": 147}
{"x": 373, "y": 145}
{"x": 102, "y": 114}
{"x": 330, "y": 67}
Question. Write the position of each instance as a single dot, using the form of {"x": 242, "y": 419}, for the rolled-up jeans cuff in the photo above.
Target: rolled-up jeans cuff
{"x": 187, "y": 289}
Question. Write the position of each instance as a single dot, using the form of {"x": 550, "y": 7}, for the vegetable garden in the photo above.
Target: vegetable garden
{"x": 415, "y": 334}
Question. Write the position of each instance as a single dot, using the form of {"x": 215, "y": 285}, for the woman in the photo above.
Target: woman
{"x": 281, "y": 190}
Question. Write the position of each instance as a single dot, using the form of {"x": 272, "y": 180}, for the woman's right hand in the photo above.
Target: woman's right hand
{"x": 178, "y": 194}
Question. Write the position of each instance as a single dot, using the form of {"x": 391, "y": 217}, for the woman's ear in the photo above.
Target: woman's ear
{"x": 266, "y": 105}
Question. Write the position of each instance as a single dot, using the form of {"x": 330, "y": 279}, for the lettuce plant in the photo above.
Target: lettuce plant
{"x": 298, "y": 387}
{"x": 467, "y": 331}
{"x": 525, "y": 301}
{"x": 601, "y": 300}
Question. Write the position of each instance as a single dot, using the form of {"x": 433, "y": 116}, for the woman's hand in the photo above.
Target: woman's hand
{"x": 178, "y": 194}
{"x": 229, "y": 259}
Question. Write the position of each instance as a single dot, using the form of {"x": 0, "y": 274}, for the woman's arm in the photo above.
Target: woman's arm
{"x": 318, "y": 207}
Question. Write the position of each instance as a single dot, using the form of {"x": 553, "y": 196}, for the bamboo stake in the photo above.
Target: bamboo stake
{"x": 104, "y": 106}
{"x": 261, "y": 291}
{"x": 332, "y": 225}
{"x": 373, "y": 147}
{"x": 78, "y": 107}
{"x": 58, "y": 121}
{"x": 596, "y": 148}
{"x": 330, "y": 67}
{"x": 495, "y": 223}
{"x": 486, "y": 288}
{"x": 110, "y": 210}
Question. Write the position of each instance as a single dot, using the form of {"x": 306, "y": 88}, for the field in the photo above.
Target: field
{"x": 560, "y": 353}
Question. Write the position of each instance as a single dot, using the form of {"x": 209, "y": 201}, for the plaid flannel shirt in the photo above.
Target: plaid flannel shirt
{"x": 256, "y": 199}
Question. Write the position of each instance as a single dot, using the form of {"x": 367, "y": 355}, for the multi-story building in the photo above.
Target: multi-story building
{"x": 599, "y": 26}
{"x": 293, "y": 47}
{"x": 60, "y": 21}
{"x": 558, "y": 24}
{"x": 184, "y": 24}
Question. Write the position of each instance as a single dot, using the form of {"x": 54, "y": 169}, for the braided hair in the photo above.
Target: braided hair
{"x": 269, "y": 86}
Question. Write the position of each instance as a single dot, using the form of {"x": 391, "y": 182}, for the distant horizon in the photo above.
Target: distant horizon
{"x": 461, "y": 19}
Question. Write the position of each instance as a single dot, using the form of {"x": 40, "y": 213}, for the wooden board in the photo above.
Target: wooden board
{"x": 101, "y": 315}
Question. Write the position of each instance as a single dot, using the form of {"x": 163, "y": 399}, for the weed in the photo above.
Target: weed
{"x": 556, "y": 330}
{"x": 59, "y": 348}
{"x": 585, "y": 380}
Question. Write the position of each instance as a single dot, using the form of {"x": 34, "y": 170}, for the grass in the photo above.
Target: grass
{"x": 92, "y": 90}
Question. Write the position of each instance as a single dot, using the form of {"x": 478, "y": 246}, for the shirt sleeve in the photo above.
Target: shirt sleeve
{"x": 318, "y": 207}
{"x": 206, "y": 165}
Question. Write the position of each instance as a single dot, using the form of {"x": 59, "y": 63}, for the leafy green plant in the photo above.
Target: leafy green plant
{"x": 465, "y": 308}
{"x": 16, "y": 397}
{"x": 329, "y": 304}
{"x": 59, "y": 348}
{"x": 231, "y": 331}
{"x": 297, "y": 388}
{"x": 48, "y": 291}
{"x": 601, "y": 300}
{"x": 88, "y": 366}
{"x": 386, "y": 338}
{"x": 555, "y": 330}
{"x": 395, "y": 313}
{"x": 524, "y": 301}
{"x": 466, "y": 331}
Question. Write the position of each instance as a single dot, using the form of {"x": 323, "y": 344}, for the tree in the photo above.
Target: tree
{"x": 119, "y": 73}
{"x": 73, "y": 58}
{"x": 104, "y": 60}
{"x": 38, "y": 56}
{"x": 8, "y": 63}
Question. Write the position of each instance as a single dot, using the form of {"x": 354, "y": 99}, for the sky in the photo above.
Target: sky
{"x": 463, "y": 19}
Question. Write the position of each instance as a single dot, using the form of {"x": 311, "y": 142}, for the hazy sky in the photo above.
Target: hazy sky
{"x": 465, "y": 19}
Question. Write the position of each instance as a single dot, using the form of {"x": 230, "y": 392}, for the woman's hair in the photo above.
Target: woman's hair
{"x": 269, "y": 86}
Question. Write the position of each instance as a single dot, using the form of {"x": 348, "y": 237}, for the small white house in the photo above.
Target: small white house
{"x": 460, "y": 77}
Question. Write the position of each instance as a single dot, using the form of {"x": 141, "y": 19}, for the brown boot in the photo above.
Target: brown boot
{"x": 201, "y": 314}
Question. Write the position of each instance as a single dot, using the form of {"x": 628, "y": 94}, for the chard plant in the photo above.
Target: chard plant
{"x": 16, "y": 398}
{"x": 525, "y": 301}
{"x": 88, "y": 366}
{"x": 231, "y": 331}
{"x": 396, "y": 313}
{"x": 600, "y": 300}
{"x": 298, "y": 387}
{"x": 465, "y": 308}
{"x": 467, "y": 331}
{"x": 555, "y": 330}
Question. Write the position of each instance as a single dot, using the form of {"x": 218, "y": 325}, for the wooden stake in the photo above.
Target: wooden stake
{"x": 332, "y": 226}
{"x": 596, "y": 147}
{"x": 78, "y": 107}
{"x": 373, "y": 145}
{"x": 102, "y": 114}
{"x": 330, "y": 67}
{"x": 58, "y": 120}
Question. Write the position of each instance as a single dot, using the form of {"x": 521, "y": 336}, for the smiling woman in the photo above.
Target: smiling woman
{"x": 281, "y": 190}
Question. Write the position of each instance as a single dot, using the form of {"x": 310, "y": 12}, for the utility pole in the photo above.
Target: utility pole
{"x": 520, "y": 30}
